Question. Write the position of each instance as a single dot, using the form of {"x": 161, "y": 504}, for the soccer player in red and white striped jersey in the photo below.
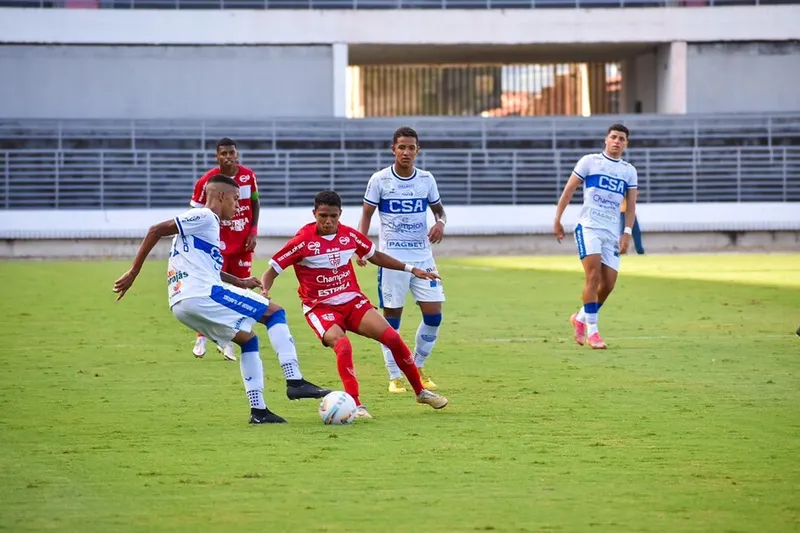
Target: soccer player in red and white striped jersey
{"x": 333, "y": 302}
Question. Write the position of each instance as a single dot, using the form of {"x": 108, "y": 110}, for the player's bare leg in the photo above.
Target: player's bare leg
{"x": 375, "y": 327}
{"x": 397, "y": 384}
{"x": 427, "y": 333}
{"x": 592, "y": 267}
{"x": 336, "y": 338}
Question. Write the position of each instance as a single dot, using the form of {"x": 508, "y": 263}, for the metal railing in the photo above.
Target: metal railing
{"x": 647, "y": 131}
{"x": 109, "y": 179}
{"x": 375, "y": 4}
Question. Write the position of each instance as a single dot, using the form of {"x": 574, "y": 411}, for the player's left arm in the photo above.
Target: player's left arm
{"x": 255, "y": 210}
{"x": 630, "y": 212}
{"x": 436, "y": 233}
{"x": 154, "y": 234}
{"x": 386, "y": 261}
{"x": 245, "y": 283}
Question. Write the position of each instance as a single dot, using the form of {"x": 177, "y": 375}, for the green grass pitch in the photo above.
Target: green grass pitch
{"x": 689, "y": 422}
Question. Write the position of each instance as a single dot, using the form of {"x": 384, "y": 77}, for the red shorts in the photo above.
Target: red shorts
{"x": 238, "y": 265}
{"x": 347, "y": 315}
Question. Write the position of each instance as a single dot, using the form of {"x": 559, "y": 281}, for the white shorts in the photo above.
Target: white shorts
{"x": 393, "y": 286}
{"x": 221, "y": 315}
{"x": 598, "y": 241}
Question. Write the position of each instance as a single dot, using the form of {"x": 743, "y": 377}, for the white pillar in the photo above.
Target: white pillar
{"x": 340, "y": 62}
{"x": 672, "y": 61}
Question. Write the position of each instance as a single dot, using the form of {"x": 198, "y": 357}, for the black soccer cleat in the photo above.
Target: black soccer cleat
{"x": 265, "y": 416}
{"x": 298, "y": 389}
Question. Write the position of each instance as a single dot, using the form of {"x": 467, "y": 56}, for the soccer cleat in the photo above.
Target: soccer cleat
{"x": 434, "y": 400}
{"x": 199, "y": 349}
{"x": 297, "y": 389}
{"x": 396, "y": 386}
{"x": 596, "y": 342}
{"x": 361, "y": 412}
{"x": 580, "y": 329}
{"x": 427, "y": 382}
{"x": 227, "y": 351}
{"x": 265, "y": 416}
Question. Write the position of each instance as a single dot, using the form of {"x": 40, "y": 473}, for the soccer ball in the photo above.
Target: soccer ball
{"x": 337, "y": 408}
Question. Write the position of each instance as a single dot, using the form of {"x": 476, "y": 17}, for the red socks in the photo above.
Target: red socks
{"x": 402, "y": 356}
{"x": 344, "y": 364}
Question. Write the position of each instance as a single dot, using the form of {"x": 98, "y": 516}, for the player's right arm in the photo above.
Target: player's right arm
{"x": 372, "y": 198}
{"x": 574, "y": 181}
{"x": 154, "y": 234}
{"x": 290, "y": 254}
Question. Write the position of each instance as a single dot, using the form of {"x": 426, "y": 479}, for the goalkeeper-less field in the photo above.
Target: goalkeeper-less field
{"x": 689, "y": 422}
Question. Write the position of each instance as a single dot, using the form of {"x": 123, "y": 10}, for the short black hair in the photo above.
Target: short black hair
{"x": 219, "y": 178}
{"x": 225, "y": 141}
{"x": 619, "y": 127}
{"x": 405, "y": 131}
{"x": 330, "y": 198}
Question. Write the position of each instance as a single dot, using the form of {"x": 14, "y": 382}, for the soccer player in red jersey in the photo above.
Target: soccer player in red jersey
{"x": 332, "y": 300}
{"x": 238, "y": 235}
{"x": 237, "y": 242}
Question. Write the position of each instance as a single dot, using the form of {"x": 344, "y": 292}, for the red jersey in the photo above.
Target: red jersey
{"x": 234, "y": 232}
{"x": 322, "y": 264}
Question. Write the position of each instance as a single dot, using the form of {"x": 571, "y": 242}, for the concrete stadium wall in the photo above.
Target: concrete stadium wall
{"x": 451, "y": 246}
{"x": 208, "y": 82}
{"x": 733, "y": 77}
{"x": 301, "y": 27}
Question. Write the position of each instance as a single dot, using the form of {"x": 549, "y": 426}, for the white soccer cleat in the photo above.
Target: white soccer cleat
{"x": 227, "y": 352}
{"x": 199, "y": 349}
{"x": 361, "y": 412}
{"x": 430, "y": 398}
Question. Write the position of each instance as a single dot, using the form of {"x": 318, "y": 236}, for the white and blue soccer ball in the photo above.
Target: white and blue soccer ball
{"x": 337, "y": 408}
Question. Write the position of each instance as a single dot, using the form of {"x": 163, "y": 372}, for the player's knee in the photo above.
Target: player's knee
{"x": 277, "y": 317}
{"x": 432, "y": 320}
{"x": 250, "y": 345}
{"x": 389, "y": 336}
{"x": 342, "y": 343}
{"x": 333, "y": 336}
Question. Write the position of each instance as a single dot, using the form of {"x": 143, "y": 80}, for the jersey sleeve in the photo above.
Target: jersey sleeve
{"x": 582, "y": 167}
{"x": 365, "y": 248}
{"x": 199, "y": 194}
{"x": 290, "y": 254}
{"x": 633, "y": 180}
{"x": 433, "y": 192}
{"x": 372, "y": 195}
{"x": 194, "y": 221}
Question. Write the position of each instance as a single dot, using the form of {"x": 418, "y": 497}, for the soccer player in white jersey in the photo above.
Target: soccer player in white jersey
{"x": 199, "y": 299}
{"x": 402, "y": 195}
{"x": 606, "y": 180}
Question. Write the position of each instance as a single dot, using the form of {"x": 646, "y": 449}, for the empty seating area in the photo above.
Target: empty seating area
{"x": 109, "y": 165}
{"x": 472, "y": 133}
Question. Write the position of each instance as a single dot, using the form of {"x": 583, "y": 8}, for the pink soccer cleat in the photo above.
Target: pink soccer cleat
{"x": 596, "y": 343}
{"x": 580, "y": 329}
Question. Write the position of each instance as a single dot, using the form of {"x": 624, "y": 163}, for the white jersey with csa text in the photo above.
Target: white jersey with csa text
{"x": 195, "y": 261}
{"x": 605, "y": 182}
{"x": 403, "y": 209}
